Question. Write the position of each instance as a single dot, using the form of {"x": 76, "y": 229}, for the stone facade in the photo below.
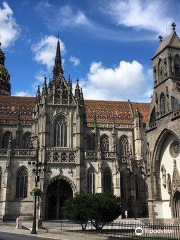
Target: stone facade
{"x": 163, "y": 132}
{"x": 89, "y": 146}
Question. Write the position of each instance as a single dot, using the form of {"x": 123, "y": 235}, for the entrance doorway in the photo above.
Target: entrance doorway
{"x": 176, "y": 205}
{"x": 57, "y": 193}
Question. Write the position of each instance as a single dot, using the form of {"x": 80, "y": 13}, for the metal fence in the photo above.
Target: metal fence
{"x": 120, "y": 230}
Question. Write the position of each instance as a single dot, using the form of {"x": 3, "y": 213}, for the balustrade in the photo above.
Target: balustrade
{"x": 24, "y": 152}
{"x": 90, "y": 154}
{"x": 3, "y": 152}
{"x": 60, "y": 157}
{"x": 19, "y": 152}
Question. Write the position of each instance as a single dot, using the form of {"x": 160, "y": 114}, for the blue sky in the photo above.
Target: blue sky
{"x": 107, "y": 44}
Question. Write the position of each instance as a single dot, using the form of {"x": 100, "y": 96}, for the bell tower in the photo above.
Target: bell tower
{"x": 5, "y": 86}
{"x": 166, "y": 73}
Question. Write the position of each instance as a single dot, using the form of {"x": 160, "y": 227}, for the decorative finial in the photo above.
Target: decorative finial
{"x": 58, "y": 35}
{"x": 137, "y": 109}
{"x": 94, "y": 117}
{"x": 77, "y": 82}
{"x": 45, "y": 79}
{"x": 160, "y": 39}
{"x": 173, "y": 26}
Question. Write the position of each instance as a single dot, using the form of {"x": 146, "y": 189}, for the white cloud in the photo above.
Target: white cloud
{"x": 142, "y": 17}
{"x": 23, "y": 94}
{"x": 9, "y": 29}
{"x": 128, "y": 80}
{"x": 140, "y": 14}
{"x": 75, "y": 61}
{"x": 64, "y": 16}
{"x": 45, "y": 50}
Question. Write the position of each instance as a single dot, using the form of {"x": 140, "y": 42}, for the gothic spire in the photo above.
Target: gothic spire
{"x": 2, "y": 57}
{"x": 5, "y": 86}
{"x": 58, "y": 63}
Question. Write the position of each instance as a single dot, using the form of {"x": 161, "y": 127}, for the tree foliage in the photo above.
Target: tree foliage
{"x": 76, "y": 209}
{"x": 99, "y": 208}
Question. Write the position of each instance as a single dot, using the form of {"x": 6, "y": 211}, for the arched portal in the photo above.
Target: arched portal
{"x": 56, "y": 194}
{"x": 165, "y": 156}
{"x": 176, "y": 205}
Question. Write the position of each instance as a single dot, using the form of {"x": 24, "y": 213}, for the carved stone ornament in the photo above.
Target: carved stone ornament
{"x": 169, "y": 183}
{"x": 174, "y": 149}
{"x": 163, "y": 170}
{"x": 176, "y": 178}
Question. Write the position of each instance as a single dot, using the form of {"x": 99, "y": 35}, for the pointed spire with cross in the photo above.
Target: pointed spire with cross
{"x": 58, "y": 61}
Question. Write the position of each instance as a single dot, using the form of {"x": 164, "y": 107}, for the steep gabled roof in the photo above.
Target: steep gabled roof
{"x": 170, "y": 41}
{"x": 14, "y": 108}
{"x": 118, "y": 111}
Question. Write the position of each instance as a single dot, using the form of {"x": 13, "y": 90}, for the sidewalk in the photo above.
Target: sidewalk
{"x": 52, "y": 234}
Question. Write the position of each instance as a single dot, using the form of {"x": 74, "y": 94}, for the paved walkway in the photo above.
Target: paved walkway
{"x": 49, "y": 235}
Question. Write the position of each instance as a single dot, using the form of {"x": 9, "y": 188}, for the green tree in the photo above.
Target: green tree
{"x": 76, "y": 209}
{"x": 103, "y": 209}
{"x": 99, "y": 208}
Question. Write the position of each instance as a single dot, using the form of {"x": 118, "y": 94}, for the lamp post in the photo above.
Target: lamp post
{"x": 36, "y": 170}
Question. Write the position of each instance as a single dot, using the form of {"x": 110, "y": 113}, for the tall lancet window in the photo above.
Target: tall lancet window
{"x": 123, "y": 146}
{"x": 163, "y": 104}
{"x": 27, "y": 140}
{"x": 104, "y": 143}
{"x": 5, "y": 139}
{"x": 21, "y": 183}
{"x": 90, "y": 181}
{"x": 161, "y": 71}
{"x": 176, "y": 66}
{"x": 174, "y": 103}
{"x": 60, "y": 132}
{"x": 107, "y": 180}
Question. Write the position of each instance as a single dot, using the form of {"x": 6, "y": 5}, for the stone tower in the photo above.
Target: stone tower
{"x": 163, "y": 127}
{"x": 5, "y": 86}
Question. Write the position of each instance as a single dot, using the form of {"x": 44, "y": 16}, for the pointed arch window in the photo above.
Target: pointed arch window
{"x": 174, "y": 103}
{"x": 123, "y": 146}
{"x": 107, "y": 180}
{"x": 21, "y": 183}
{"x": 89, "y": 142}
{"x": 91, "y": 181}
{"x": 161, "y": 71}
{"x": 176, "y": 66}
{"x": 137, "y": 187}
{"x": 27, "y": 140}
{"x": 123, "y": 185}
{"x": 65, "y": 97}
{"x": 104, "y": 143}
{"x": 5, "y": 139}
{"x": 163, "y": 104}
{"x": 60, "y": 132}
{"x": 153, "y": 116}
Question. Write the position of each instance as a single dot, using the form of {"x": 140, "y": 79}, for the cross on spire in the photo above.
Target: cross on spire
{"x": 160, "y": 38}
{"x": 173, "y": 26}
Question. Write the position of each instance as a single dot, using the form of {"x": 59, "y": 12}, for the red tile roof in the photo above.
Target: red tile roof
{"x": 106, "y": 111}
{"x": 16, "y": 107}
{"x": 109, "y": 111}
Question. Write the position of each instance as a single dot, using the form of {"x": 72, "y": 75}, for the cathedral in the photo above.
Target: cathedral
{"x": 69, "y": 145}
